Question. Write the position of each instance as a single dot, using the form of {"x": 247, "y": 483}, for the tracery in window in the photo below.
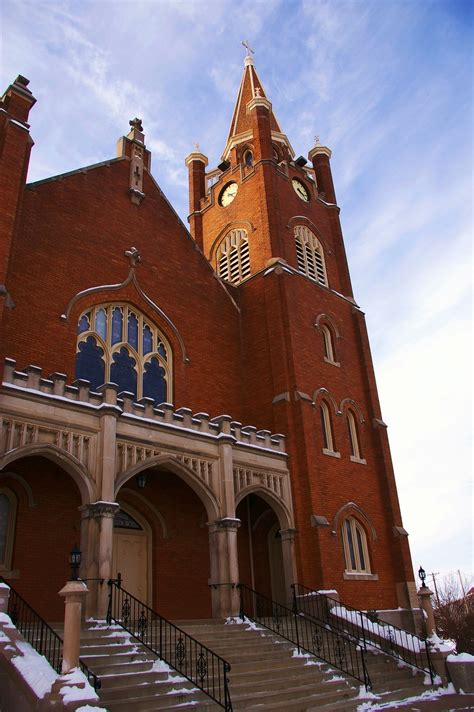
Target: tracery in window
{"x": 233, "y": 258}
{"x": 8, "y": 505}
{"x": 356, "y": 553}
{"x": 310, "y": 255}
{"x": 328, "y": 439}
{"x": 353, "y": 436}
{"x": 117, "y": 343}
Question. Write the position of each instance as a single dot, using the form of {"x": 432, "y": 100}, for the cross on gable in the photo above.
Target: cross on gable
{"x": 136, "y": 123}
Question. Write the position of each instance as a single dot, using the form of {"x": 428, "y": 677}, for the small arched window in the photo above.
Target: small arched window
{"x": 353, "y": 437}
{"x": 328, "y": 439}
{"x": 117, "y": 343}
{"x": 8, "y": 504}
{"x": 329, "y": 352}
{"x": 356, "y": 552}
{"x": 310, "y": 255}
{"x": 233, "y": 258}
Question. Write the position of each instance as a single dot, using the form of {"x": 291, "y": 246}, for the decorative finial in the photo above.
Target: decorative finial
{"x": 134, "y": 256}
{"x": 317, "y": 141}
{"x": 248, "y": 48}
{"x": 196, "y": 147}
{"x": 136, "y": 123}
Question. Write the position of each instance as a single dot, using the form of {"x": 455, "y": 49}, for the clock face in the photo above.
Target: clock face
{"x": 228, "y": 194}
{"x": 300, "y": 190}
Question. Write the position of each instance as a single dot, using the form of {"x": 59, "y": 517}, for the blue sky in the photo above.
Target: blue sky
{"x": 388, "y": 87}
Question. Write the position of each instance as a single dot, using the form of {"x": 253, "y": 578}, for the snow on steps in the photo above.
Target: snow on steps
{"x": 265, "y": 674}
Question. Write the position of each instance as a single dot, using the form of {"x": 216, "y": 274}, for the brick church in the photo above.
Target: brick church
{"x": 191, "y": 408}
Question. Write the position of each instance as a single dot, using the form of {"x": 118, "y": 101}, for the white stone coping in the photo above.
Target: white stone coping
{"x": 30, "y": 383}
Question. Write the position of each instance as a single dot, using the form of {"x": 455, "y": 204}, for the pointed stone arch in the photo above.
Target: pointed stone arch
{"x": 67, "y": 462}
{"x": 323, "y": 394}
{"x": 325, "y": 319}
{"x": 282, "y": 512}
{"x": 350, "y": 404}
{"x": 353, "y": 508}
{"x": 21, "y": 480}
{"x": 174, "y": 465}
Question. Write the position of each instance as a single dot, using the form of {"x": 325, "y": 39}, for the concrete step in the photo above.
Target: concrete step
{"x": 158, "y": 688}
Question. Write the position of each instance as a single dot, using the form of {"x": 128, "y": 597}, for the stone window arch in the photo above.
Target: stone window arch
{"x": 310, "y": 255}
{"x": 8, "y": 507}
{"x": 356, "y": 550}
{"x": 233, "y": 258}
{"x": 117, "y": 343}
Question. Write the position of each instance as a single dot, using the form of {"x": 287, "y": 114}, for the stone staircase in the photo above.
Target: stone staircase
{"x": 266, "y": 675}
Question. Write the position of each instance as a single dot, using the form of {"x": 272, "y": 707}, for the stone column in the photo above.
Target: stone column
{"x": 224, "y": 567}
{"x": 289, "y": 563}
{"x": 73, "y": 593}
{"x": 98, "y": 522}
{"x": 425, "y": 594}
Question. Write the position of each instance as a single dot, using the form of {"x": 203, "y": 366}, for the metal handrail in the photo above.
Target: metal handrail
{"x": 40, "y": 635}
{"x": 174, "y": 646}
{"x": 334, "y": 647}
{"x": 365, "y": 627}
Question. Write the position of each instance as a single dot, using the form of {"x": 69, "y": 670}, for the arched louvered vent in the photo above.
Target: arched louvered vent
{"x": 233, "y": 258}
{"x": 310, "y": 255}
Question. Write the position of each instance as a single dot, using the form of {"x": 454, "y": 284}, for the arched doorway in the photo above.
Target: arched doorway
{"x": 47, "y": 526}
{"x": 173, "y": 521}
{"x": 260, "y": 550}
{"x": 132, "y": 552}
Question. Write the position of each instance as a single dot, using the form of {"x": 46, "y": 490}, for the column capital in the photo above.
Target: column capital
{"x": 226, "y": 523}
{"x": 96, "y": 510}
{"x": 288, "y": 534}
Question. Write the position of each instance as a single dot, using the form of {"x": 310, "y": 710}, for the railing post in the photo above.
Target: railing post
{"x": 241, "y": 592}
{"x": 295, "y": 613}
{"x": 109, "y": 607}
{"x": 363, "y": 630}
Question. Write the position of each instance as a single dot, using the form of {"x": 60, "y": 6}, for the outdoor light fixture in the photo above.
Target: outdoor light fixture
{"x": 74, "y": 561}
{"x": 141, "y": 480}
{"x": 301, "y": 161}
{"x": 422, "y": 575}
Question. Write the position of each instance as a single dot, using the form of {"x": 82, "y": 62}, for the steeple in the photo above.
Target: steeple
{"x": 251, "y": 89}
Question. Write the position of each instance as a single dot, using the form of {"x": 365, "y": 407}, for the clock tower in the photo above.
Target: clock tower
{"x": 268, "y": 223}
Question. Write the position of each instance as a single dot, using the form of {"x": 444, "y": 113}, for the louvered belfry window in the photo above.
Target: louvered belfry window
{"x": 310, "y": 255}
{"x": 233, "y": 259}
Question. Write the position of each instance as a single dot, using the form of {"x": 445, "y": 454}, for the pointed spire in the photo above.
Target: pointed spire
{"x": 250, "y": 88}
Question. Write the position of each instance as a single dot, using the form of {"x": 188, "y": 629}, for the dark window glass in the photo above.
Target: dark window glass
{"x": 133, "y": 331}
{"x": 101, "y": 323}
{"x": 162, "y": 351}
{"x": 122, "y": 371}
{"x": 117, "y": 319}
{"x": 154, "y": 384}
{"x": 350, "y": 543}
{"x": 147, "y": 340}
{"x": 84, "y": 324}
{"x": 123, "y": 520}
{"x": 90, "y": 363}
{"x": 325, "y": 432}
{"x": 361, "y": 549}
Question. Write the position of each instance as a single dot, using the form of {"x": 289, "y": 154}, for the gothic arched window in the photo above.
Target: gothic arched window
{"x": 117, "y": 343}
{"x": 329, "y": 353}
{"x": 356, "y": 552}
{"x": 328, "y": 439}
{"x": 233, "y": 259}
{"x": 310, "y": 255}
{"x": 7, "y": 527}
{"x": 353, "y": 436}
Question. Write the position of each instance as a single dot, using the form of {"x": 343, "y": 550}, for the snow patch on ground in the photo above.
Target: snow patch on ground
{"x": 183, "y": 691}
{"x": 34, "y": 669}
{"x": 424, "y": 697}
{"x": 6, "y": 621}
{"x": 444, "y": 646}
{"x": 461, "y": 658}
{"x": 237, "y": 620}
{"x": 88, "y": 708}
{"x": 79, "y": 689}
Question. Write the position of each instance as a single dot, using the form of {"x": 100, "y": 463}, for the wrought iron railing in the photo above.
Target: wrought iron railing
{"x": 204, "y": 668}
{"x": 365, "y": 627}
{"x": 307, "y": 634}
{"x": 40, "y": 635}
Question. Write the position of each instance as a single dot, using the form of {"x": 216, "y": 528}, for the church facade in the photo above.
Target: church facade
{"x": 192, "y": 409}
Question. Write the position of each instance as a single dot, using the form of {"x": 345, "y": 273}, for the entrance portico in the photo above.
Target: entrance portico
{"x": 194, "y": 464}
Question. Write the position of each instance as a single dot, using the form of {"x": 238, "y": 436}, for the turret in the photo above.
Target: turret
{"x": 196, "y": 163}
{"x": 15, "y": 148}
{"x": 319, "y": 156}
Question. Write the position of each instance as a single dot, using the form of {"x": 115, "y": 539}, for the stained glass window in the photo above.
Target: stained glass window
{"x": 139, "y": 365}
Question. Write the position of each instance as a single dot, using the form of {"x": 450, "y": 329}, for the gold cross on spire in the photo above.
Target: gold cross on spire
{"x": 248, "y": 48}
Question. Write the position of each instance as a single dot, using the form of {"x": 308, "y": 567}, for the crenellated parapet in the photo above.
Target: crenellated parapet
{"x": 78, "y": 393}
